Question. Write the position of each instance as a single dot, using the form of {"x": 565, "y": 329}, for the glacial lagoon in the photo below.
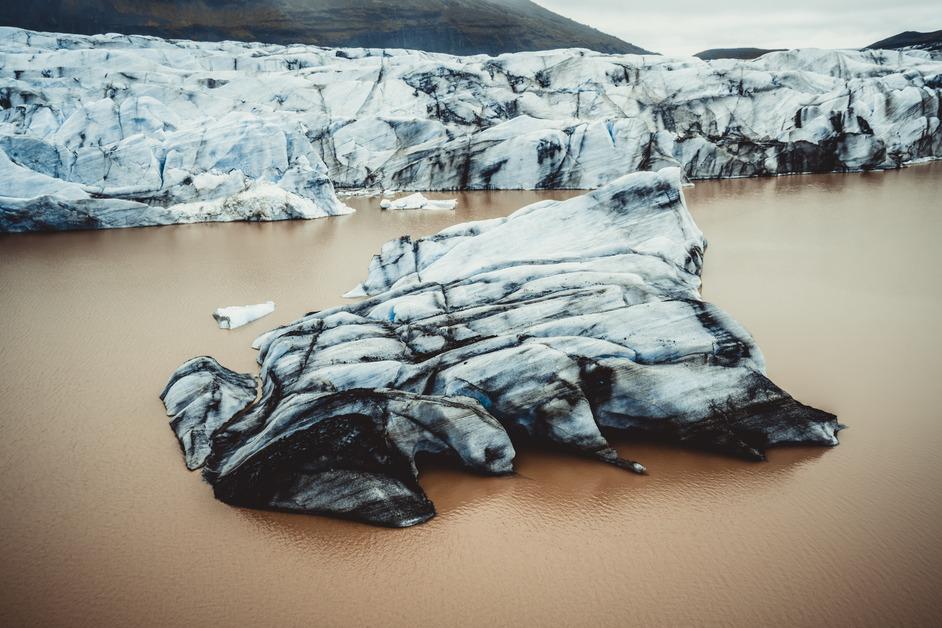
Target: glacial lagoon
{"x": 834, "y": 275}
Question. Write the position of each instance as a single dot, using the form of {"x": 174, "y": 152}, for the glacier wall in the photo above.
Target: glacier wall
{"x": 114, "y": 130}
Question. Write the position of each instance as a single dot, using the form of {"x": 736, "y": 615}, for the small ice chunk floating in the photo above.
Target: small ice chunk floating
{"x": 417, "y": 201}
{"x": 238, "y": 315}
{"x": 560, "y": 323}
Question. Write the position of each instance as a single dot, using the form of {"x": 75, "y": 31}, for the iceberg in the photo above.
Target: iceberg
{"x": 560, "y": 324}
{"x": 235, "y": 316}
{"x": 417, "y": 201}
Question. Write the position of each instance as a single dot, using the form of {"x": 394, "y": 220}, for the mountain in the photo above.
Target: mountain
{"x": 911, "y": 39}
{"x": 734, "y": 53}
{"x": 453, "y": 26}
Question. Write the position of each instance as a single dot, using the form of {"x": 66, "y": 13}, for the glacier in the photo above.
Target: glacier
{"x": 114, "y": 130}
{"x": 561, "y": 324}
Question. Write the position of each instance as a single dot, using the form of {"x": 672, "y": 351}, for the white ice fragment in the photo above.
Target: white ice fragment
{"x": 238, "y": 315}
{"x": 418, "y": 201}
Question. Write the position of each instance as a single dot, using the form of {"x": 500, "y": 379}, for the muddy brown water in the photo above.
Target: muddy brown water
{"x": 837, "y": 276}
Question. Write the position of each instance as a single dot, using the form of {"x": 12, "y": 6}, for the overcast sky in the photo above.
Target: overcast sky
{"x": 683, "y": 27}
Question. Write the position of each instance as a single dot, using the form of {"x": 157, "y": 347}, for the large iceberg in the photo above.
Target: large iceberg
{"x": 114, "y": 130}
{"x": 558, "y": 324}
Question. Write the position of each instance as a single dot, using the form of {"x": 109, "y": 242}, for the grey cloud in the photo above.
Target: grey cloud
{"x": 687, "y": 26}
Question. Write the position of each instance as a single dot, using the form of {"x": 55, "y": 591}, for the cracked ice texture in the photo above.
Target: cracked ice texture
{"x": 101, "y": 136}
{"x": 556, "y": 324}
{"x": 114, "y": 131}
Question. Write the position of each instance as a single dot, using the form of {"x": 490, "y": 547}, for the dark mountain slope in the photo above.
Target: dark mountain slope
{"x": 453, "y": 26}
{"x": 734, "y": 53}
{"x": 911, "y": 39}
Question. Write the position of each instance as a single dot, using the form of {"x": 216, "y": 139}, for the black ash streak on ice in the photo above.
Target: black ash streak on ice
{"x": 559, "y": 322}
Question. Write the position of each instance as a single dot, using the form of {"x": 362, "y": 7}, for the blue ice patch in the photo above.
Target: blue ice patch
{"x": 480, "y": 397}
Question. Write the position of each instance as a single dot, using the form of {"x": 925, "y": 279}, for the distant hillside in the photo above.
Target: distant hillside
{"x": 734, "y": 53}
{"x": 911, "y": 39}
{"x": 452, "y": 26}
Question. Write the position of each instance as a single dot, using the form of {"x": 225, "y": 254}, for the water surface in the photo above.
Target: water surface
{"x": 837, "y": 276}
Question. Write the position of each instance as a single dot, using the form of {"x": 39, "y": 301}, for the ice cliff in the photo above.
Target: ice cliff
{"x": 109, "y": 130}
{"x": 565, "y": 321}
{"x": 94, "y": 135}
